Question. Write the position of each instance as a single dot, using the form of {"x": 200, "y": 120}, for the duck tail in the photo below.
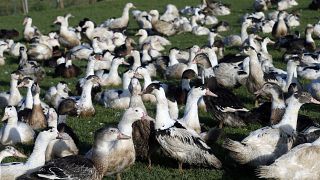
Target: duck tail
{"x": 214, "y": 161}
{"x": 237, "y": 150}
{"x": 266, "y": 171}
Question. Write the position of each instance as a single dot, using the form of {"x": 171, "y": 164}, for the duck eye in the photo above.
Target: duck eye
{"x": 136, "y": 110}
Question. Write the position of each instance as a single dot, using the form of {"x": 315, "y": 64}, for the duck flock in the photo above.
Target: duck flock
{"x": 286, "y": 147}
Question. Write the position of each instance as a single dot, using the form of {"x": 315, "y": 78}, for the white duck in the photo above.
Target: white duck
{"x": 298, "y": 163}
{"x": 13, "y": 97}
{"x": 79, "y": 52}
{"x": 36, "y": 159}
{"x": 191, "y": 118}
{"x": 100, "y": 32}
{"x": 15, "y": 47}
{"x": 197, "y": 29}
{"x": 67, "y": 37}
{"x": 29, "y": 31}
{"x": 118, "y": 98}
{"x": 286, "y": 4}
{"x": 178, "y": 142}
{"x": 23, "y": 132}
{"x": 121, "y": 22}
{"x": 56, "y": 93}
{"x": 170, "y": 14}
{"x": 158, "y": 41}
{"x": 112, "y": 78}
{"x": 266, "y": 144}
{"x": 236, "y": 40}
{"x": 9, "y": 151}
{"x": 3, "y": 47}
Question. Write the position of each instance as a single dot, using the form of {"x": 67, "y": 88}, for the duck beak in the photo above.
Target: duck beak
{"x": 123, "y": 136}
{"x": 134, "y": 7}
{"x": 259, "y": 92}
{"x": 59, "y": 136}
{"x": 19, "y": 154}
{"x": 210, "y": 93}
{"x": 271, "y": 42}
{"x": 146, "y": 117}
{"x": 125, "y": 63}
{"x": 137, "y": 34}
{"x": 5, "y": 117}
{"x": 314, "y": 101}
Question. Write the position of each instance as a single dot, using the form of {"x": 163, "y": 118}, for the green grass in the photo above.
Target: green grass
{"x": 85, "y": 127}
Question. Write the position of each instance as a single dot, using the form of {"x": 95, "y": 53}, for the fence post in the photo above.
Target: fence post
{"x": 92, "y": 1}
{"x": 25, "y": 6}
{"x": 60, "y": 4}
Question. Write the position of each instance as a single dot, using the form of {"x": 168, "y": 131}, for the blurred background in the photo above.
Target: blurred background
{"x": 12, "y": 7}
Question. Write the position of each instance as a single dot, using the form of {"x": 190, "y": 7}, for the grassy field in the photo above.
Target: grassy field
{"x": 85, "y": 127}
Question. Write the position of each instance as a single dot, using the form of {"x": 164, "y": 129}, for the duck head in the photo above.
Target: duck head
{"x": 94, "y": 79}
{"x": 9, "y": 112}
{"x": 140, "y": 72}
{"x": 269, "y": 88}
{"x": 16, "y": 75}
{"x": 129, "y": 5}
{"x": 108, "y": 134}
{"x": 249, "y": 50}
{"x": 188, "y": 74}
{"x": 62, "y": 86}
{"x": 26, "y": 82}
{"x": 52, "y": 117}
{"x": 135, "y": 114}
{"x": 141, "y": 32}
{"x": 201, "y": 91}
{"x": 11, "y": 151}
{"x": 48, "y": 135}
{"x": 302, "y": 97}
{"x": 26, "y": 20}
{"x": 134, "y": 86}
{"x": 35, "y": 89}
{"x": 152, "y": 88}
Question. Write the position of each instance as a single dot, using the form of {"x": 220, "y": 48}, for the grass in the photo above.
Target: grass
{"x": 85, "y": 127}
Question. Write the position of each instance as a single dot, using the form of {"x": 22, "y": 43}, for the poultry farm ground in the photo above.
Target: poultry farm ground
{"x": 85, "y": 127}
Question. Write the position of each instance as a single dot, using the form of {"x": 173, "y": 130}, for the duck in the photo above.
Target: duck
{"x": 24, "y": 133}
{"x": 120, "y": 23}
{"x": 82, "y": 107}
{"x": 316, "y": 29}
{"x": 142, "y": 18}
{"x": 266, "y": 144}
{"x": 13, "y": 96}
{"x": 67, "y": 69}
{"x": 3, "y": 46}
{"x": 236, "y": 40}
{"x": 173, "y": 137}
{"x": 125, "y": 49}
{"x": 29, "y": 31}
{"x": 191, "y": 118}
{"x": 91, "y": 31}
{"x": 93, "y": 168}
{"x": 89, "y": 72}
{"x": 135, "y": 56}
{"x": 280, "y": 28}
{"x": 10, "y": 151}
{"x": 143, "y": 72}
{"x": 40, "y": 51}
{"x": 30, "y": 68}
{"x": 15, "y": 47}
{"x": 35, "y": 118}
{"x": 35, "y": 160}
{"x": 170, "y": 13}
{"x": 112, "y": 78}
{"x": 118, "y": 98}
{"x": 67, "y": 38}
{"x": 198, "y": 30}
{"x": 162, "y": 27}
{"x": 260, "y": 5}
{"x": 302, "y": 44}
{"x": 82, "y": 51}
{"x": 158, "y": 41}
{"x": 296, "y": 164}
{"x": 55, "y": 94}
{"x": 286, "y": 4}
{"x": 100, "y": 45}
{"x": 25, "y": 106}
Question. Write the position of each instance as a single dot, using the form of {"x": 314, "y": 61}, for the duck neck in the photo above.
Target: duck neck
{"x": 264, "y": 48}
{"x": 244, "y": 33}
{"x": 190, "y": 116}
{"x": 211, "y": 39}
{"x": 90, "y": 68}
{"x": 68, "y": 63}
{"x": 185, "y": 84}
{"x": 212, "y": 57}
{"x": 89, "y": 30}
{"x": 13, "y": 121}
{"x": 125, "y": 125}
{"x": 290, "y": 117}
{"x": 309, "y": 38}
{"x": 136, "y": 61}
{"x": 277, "y": 101}
{"x": 114, "y": 70}
{"x": 173, "y": 59}
{"x": 29, "y": 99}
{"x": 163, "y": 119}
{"x": 125, "y": 13}
{"x": 192, "y": 65}
{"x": 291, "y": 71}
{"x": 14, "y": 92}
{"x": 255, "y": 69}
{"x": 36, "y": 99}
{"x": 85, "y": 99}
{"x": 126, "y": 81}
{"x": 147, "y": 80}
{"x": 37, "y": 157}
